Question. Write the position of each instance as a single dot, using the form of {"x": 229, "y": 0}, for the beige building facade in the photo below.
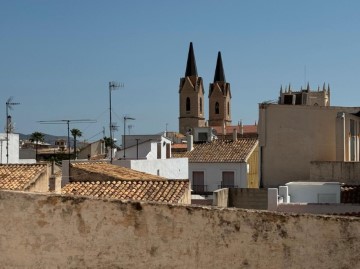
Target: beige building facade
{"x": 292, "y": 137}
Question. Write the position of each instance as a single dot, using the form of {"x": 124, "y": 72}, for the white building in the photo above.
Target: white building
{"x": 223, "y": 164}
{"x": 151, "y": 154}
{"x": 13, "y": 148}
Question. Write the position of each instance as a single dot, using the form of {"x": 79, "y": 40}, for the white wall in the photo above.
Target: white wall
{"x": 314, "y": 192}
{"x": 13, "y": 148}
{"x": 130, "y": 153}
{"x": 146, "y": 149}
{"x": 176, "y": 168}
{"x": 213, "y": 173}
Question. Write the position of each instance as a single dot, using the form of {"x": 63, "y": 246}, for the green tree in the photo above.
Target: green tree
{"x": 75, "y": 133}
{"x": 109, "y": 142}
{"x": 36, "y": 138}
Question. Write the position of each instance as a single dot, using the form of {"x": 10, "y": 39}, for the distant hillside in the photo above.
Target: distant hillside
{"x": 50, "y": 139}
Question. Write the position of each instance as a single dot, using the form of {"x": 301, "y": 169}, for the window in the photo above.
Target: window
{"x": 228, "y": 108}
{"x": 200, "y": 104}
{"x": 288, "y": 99}
{"x": 217, "y": 109}
{"x": 198, "y": 182}
{"x": 187, "y": 104}
{"x": 159, "y": 150}
{"x": 203, "y": 136}
{"x": 228, "y": 179}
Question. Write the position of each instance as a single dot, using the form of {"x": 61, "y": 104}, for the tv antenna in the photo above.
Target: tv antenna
{"x": 9, "y": 127}
{"x": 125, "y": 119}
{"x": 112, "y": 87}
{"x": 68, "y": 129}
{"x": 130, "y": 126}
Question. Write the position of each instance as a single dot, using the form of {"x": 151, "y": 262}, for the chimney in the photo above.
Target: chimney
{"x": 235, "y": 135}
{"x": 241, "y": 128}
{"x": 190, "y": 143}
{"x": 224, "y": 128}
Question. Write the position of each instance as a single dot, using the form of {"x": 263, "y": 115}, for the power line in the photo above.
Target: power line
{"x": 67, "y": 121}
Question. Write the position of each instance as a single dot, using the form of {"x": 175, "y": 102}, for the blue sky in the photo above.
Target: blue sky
{"x": 57, "y": 57}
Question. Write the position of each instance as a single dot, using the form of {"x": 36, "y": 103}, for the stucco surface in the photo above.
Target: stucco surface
{"x": 52, "y": 231}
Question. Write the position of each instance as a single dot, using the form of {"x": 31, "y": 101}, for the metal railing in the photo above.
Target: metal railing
{"x": 199, "y": 189}
{"x": 222, "y": 186}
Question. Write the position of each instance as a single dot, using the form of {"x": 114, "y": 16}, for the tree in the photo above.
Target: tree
{"x": 109, "y": 143}
{"x": 75, "y": 133}
{"x": 36, "y": 138}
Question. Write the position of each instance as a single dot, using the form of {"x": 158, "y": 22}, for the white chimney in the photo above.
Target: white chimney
{"x": 190, "y": 143}
{"x": 235, "y": 135}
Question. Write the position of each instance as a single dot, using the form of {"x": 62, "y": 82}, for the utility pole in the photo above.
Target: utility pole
{"x": 9, "y": 105}
{"x": 67, "y": 122}
{"x": 125, "y": 119}
{"x": 112, "y": 86}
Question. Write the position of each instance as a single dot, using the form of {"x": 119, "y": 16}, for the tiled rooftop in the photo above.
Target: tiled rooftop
{"x": 19, "y": 176}
{"x": 170, "y": 191}
{"x": 219, "y": 151}
{"x": 230, "y": 129}
{"x": 114, "y": 171}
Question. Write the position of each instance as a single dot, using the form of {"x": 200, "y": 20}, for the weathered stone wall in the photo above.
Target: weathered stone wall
{"x": 319, "y": 208}
{"x": 248, "y": 198}
{"x": 52, "y": 231}
{"x": 41, "y": 182}
{"x": 344, "y": 172}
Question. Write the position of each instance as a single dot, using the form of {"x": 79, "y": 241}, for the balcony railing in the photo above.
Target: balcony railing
{"x": 222, "y": 186}
{"x": 199, "y": 189}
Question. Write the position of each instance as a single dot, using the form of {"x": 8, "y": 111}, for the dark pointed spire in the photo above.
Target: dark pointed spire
{"x": 219, "y": 71}
{"x": 191, "y": 63}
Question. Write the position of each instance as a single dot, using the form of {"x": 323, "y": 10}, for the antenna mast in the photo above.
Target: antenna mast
{"x": 8, "y": 127}
{"x": 68, "y": 130}
{"x": 112, "y": 86}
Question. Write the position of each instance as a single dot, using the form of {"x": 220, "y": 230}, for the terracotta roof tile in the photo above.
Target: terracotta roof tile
{"x": 114, "y": 171}
{"x": 229, "y": 129}
{"x": 19, "y": 176}
{"x": 170, "y": 191}
{"x": 220, "y": 151}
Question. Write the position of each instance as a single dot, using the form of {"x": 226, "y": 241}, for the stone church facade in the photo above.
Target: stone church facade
{"x": 191, "y": 97}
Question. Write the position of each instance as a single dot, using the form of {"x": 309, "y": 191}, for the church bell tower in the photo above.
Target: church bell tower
{"x": 191, "y": 97}
{"x": 219, "y": 97}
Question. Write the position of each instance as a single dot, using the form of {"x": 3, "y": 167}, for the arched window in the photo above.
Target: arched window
{"x": 187, "y": 104}
{"x": 200, "y": 104}
{"x": 217, "y": 109}
{"x": 228, "y": 108}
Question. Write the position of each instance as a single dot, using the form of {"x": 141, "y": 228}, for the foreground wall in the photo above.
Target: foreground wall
{"x": 43, "y": 231}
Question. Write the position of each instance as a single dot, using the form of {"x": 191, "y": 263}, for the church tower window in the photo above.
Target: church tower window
{"x": 200, "y": 104}
{"x": 228, "y": 108}
{"x": 217, "y": 109}
{"x": 187, "y": 104}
